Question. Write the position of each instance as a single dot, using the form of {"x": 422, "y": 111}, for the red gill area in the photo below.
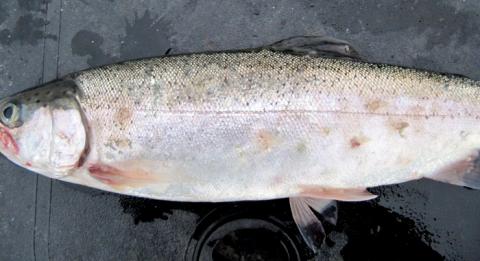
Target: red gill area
{"x": 7, "y": 140}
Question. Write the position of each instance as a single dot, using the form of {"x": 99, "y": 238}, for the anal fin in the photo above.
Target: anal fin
{"x": 465, "y": 172}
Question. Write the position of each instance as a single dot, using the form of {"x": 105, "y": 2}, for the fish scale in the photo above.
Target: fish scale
{"x": 223, "y": 103}
{"x": 252, "y": 125}
{"x": 242, "y": 82}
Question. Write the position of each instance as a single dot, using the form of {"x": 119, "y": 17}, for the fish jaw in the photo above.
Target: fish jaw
{"x": 10, "y": 147}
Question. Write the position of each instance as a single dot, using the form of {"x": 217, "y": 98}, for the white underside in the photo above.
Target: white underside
{"x": 246, "y": 156}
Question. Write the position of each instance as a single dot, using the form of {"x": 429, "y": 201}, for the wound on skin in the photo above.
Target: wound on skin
{"x": 120, "y": 177}
{"x": 375, "y": 105}
{"x": 123, "y": 116}
{"x": 357, "y": 141}
{"x": 8, "y": 141}
{"x": 400, "y": 127}
{"x": 301, "y": 147}
{"x": 266, "y": 140}
{"x": 325, "y": 131}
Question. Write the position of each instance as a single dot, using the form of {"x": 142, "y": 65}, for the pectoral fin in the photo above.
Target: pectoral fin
{"x": 308, "y": 224}
{"x": 327, "y": 208}
{"x": 320, "y": 199}
{"x": 122, "y": 176}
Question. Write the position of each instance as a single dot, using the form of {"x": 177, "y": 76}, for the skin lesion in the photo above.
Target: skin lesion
{"x": 241, "y": 153}
{"x": 404, "y": 160}
{"x": 375, "y": 105}
{"x": 66, "y": 138}
{"x": 119, "y": 143}
{"x": 417, "y": 110}
{"x": 357, "y": 141}
{"x": 325, "y": 131}
{"x": 266, "y": 140}
{"x": 464, "y": 134}
{"x": 400, "y": 126}
{"x": 301, "y": 147}
{"x": 8, "y": 142}
{"x": 124, "y": 116}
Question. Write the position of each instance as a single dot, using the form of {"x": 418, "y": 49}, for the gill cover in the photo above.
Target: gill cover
{"x": 48, "y": 127}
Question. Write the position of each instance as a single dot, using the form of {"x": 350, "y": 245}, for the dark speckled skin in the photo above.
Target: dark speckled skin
{"x": 43, "y": 219}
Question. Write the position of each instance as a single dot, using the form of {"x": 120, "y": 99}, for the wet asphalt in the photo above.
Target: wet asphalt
{"x": 43, "y": 219}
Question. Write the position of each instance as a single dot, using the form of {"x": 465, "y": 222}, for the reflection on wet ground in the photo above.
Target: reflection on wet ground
{"x": 265, "y": 231}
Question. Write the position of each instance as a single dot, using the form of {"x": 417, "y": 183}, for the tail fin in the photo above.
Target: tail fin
{"x": 465, "y": 172}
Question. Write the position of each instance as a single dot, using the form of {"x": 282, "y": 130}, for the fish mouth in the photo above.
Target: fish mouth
{"x": 8, "y": 143}
{"x": 10, "y": 149}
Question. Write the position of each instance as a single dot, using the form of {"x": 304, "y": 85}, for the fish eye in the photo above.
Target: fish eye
{"x": 10, "y": 114}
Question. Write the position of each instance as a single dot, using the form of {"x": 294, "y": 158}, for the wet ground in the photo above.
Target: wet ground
{"x": 50, "y": 220}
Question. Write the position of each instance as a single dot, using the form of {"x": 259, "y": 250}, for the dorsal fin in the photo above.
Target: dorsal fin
{"x": 321, "y": 46}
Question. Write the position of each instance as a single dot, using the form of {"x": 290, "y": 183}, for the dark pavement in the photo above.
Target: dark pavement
{"x": 44, "y": 219}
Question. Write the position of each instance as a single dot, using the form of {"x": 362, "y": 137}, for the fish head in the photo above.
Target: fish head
{"x": 43, "y": 130}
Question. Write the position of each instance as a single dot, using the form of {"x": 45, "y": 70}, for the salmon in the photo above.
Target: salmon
{"x": 304, "y": 118}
